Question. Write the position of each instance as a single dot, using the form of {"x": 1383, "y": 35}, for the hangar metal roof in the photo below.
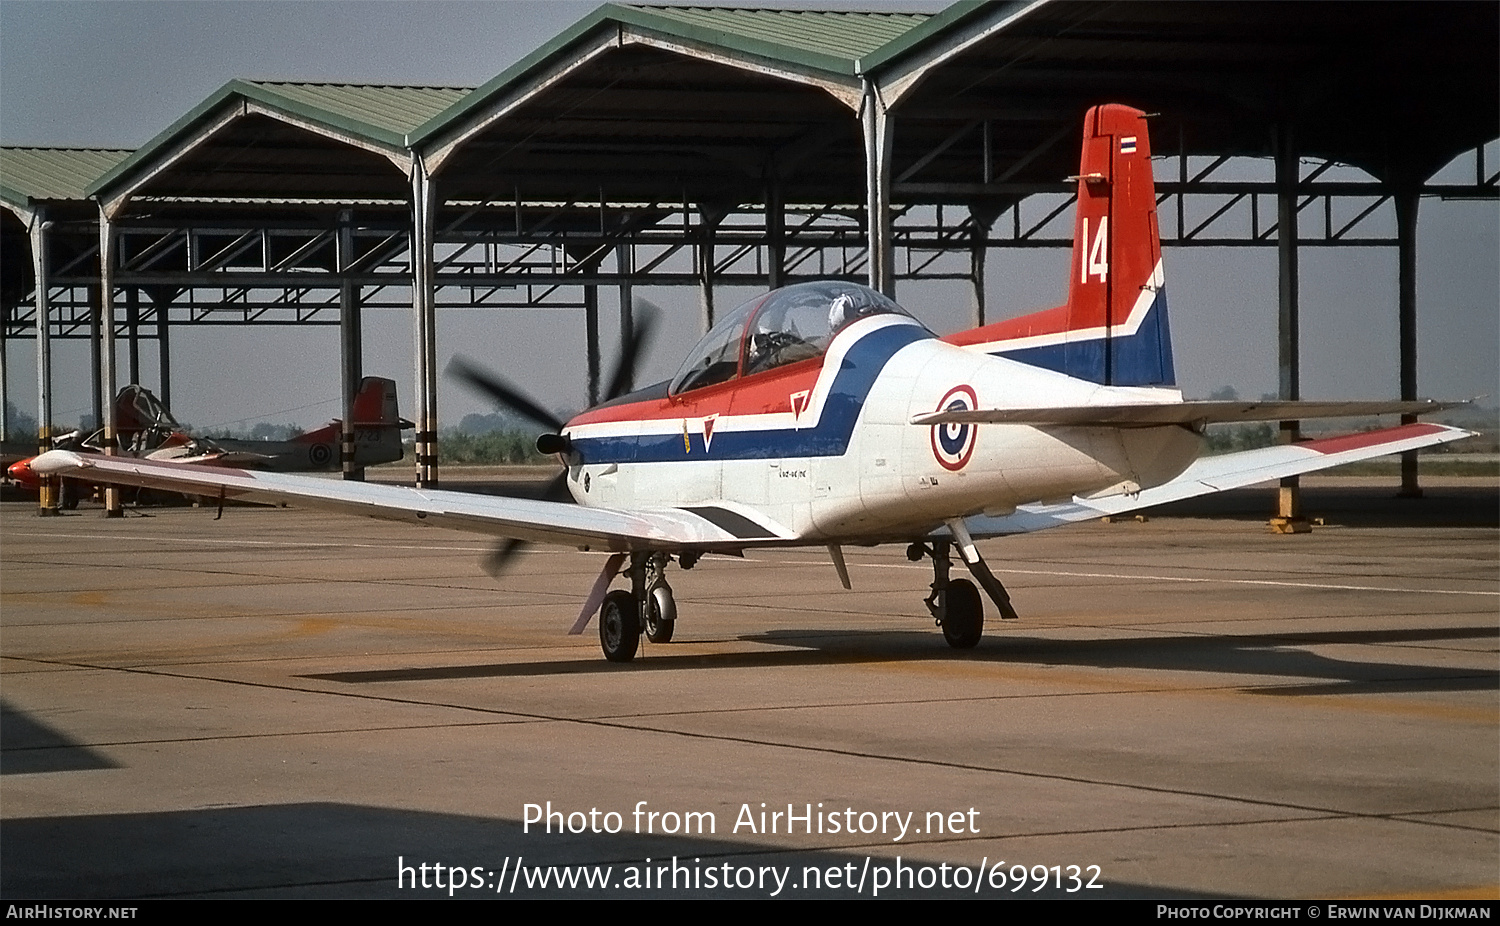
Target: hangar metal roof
{"x": 638, "y": 102}
{"x": 810, "y": 36}
{"x": 32, "y": 176}
{"x": 375, "y": 118}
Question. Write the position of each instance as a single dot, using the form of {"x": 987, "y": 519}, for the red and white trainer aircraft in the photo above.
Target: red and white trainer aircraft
{"x": 824, "y": 414}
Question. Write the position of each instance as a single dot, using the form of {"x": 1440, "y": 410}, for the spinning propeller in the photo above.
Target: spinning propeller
{"x": 633, "y": 345}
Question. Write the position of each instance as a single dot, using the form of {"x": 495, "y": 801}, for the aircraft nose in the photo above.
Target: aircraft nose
{"x": 22, "y": 473}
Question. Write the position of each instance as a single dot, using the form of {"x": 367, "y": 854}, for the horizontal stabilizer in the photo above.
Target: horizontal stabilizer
{"x": 1184, "y": 413}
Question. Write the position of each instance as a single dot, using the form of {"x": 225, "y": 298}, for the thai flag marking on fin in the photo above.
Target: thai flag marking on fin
{"x": 1127, "y": 144}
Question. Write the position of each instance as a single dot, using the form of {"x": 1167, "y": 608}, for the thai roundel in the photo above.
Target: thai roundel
{"x": 953, "y": 444}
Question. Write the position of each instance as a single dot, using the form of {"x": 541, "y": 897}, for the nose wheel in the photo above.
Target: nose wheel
{"x": 649, "y": 606}
{"x": 619, "y": 626}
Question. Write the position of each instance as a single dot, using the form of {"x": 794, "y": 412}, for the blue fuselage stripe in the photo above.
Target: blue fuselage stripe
{"x": 858, "y": 371}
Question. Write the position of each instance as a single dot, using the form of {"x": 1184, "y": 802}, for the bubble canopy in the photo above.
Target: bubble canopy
{"x": 780, "y": 327}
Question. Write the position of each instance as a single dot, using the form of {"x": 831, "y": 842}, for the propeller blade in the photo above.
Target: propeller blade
{"x": 502, "y": 392}
{"x": 498, "y": 559}
{"x": 633, "y": 346}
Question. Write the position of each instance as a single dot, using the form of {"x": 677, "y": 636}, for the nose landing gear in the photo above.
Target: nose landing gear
{"x": 648, "y": 606}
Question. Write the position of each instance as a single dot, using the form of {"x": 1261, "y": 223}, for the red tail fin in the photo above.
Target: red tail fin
{"x": 1115, "y": 290}
{"x": 375, "y": 402}
{"x": 1115, "y": 243}
{"x": 1113, "y": 329}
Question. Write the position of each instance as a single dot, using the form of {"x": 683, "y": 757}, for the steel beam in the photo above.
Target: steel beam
{"x": 96, "y": 350}
{"x": 775, "y": 236}
{"x": 163, "y": 348}
{"x": 47, "y": 495}
{"x": 351, "y": 349}
{"x": 133, "y": 331}
{"x": 107, "y": 375}
{"x": 1289, "y": 517}
{"x": 591, "y": 340}
{"x": 1407, "y": 197}
{"x": 624, "y": 257}
{"x": 424, "y": 323}
{"x": 876, "y": 122}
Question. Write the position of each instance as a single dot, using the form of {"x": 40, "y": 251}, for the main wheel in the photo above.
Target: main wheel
{"x": 619, "y": 626}
{"x": 661, "y": 615}
{"x": 963, "y": 618}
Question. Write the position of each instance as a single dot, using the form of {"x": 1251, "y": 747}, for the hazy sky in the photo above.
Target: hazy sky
{"x": 113, "y": 74}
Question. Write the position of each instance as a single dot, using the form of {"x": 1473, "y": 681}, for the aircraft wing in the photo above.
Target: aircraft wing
{"x": 702, "y": 527}
{"x": 1227, "y": 471}
{"x": 1184, "y": 413}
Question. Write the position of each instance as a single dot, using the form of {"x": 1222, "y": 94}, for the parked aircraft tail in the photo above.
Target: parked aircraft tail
{"x": 1113, "y": 329}
{"x": 375, "y": 404}
{"x": 377, "y": 428}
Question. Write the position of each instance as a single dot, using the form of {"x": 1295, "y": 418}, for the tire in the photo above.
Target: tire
{"x": 619, "y": 626}
{"x": 661, "y": 615}
{"x": 963, "y": 620}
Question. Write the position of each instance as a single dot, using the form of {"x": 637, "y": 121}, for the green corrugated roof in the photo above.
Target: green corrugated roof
{"x": 29, "y": 175}
{"x": 396, "y": 110}
{"x": 831, "y": 42}
{"x": 379, "y": 114}
{"x": 844, "y": 34}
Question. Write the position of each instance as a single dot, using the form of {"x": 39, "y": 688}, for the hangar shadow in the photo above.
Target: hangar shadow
{"x": 1274, "y": 656}
{"x": 28, "y": 746}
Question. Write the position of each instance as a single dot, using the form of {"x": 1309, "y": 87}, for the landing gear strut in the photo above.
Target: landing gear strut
{"x": 661, "y": 609}
{"x": 955, "y": 603}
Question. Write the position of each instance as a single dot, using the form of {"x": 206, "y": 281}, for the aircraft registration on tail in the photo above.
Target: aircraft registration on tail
{"x": 824, "y": 414}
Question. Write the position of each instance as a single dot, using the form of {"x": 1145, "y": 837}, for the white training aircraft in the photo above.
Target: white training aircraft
{"x": 824, "y": 414}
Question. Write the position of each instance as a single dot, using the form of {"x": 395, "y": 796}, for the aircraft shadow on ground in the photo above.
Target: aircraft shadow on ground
{"x": 1279, "y": 656}
{"x": 28, "y": 746}
{"x": 333, "y": 850}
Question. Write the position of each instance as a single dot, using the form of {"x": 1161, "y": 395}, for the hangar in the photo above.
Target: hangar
{"x": 703, "y": 147}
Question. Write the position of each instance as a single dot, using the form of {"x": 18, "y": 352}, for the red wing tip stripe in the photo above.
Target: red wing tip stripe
{"x": 1372, "y": 438}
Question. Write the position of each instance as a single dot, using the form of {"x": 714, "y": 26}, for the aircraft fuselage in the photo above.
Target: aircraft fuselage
{"x": 825, "y": 449}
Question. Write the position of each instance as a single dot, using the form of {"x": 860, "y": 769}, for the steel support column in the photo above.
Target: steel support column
{"x": 877, "y": 135}
{"x": 1407, "y": 198}
{"x": 424, "y": 302}
{"x": 979, "y": 237}
{"x": 96, "y": 352}
{"x": 163, "y": 347}
{"x": 107, "y": 376}
{"x": 351, "y": 349}
{"x": 706, "y": 277}
{"x": 624, "y": 257}
{"x": 775, "y": 236}
{"x": 1288, "y": 333}
{"x": 47, "y": 496}
{"x": 591, "y": 339}
{"x": 133, "y": 331}
{"x": 4, "y": 387}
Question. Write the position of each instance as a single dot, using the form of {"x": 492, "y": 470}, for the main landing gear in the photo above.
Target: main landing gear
{"x": 955, "y": 603}
{"x": 649, "y": 606}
